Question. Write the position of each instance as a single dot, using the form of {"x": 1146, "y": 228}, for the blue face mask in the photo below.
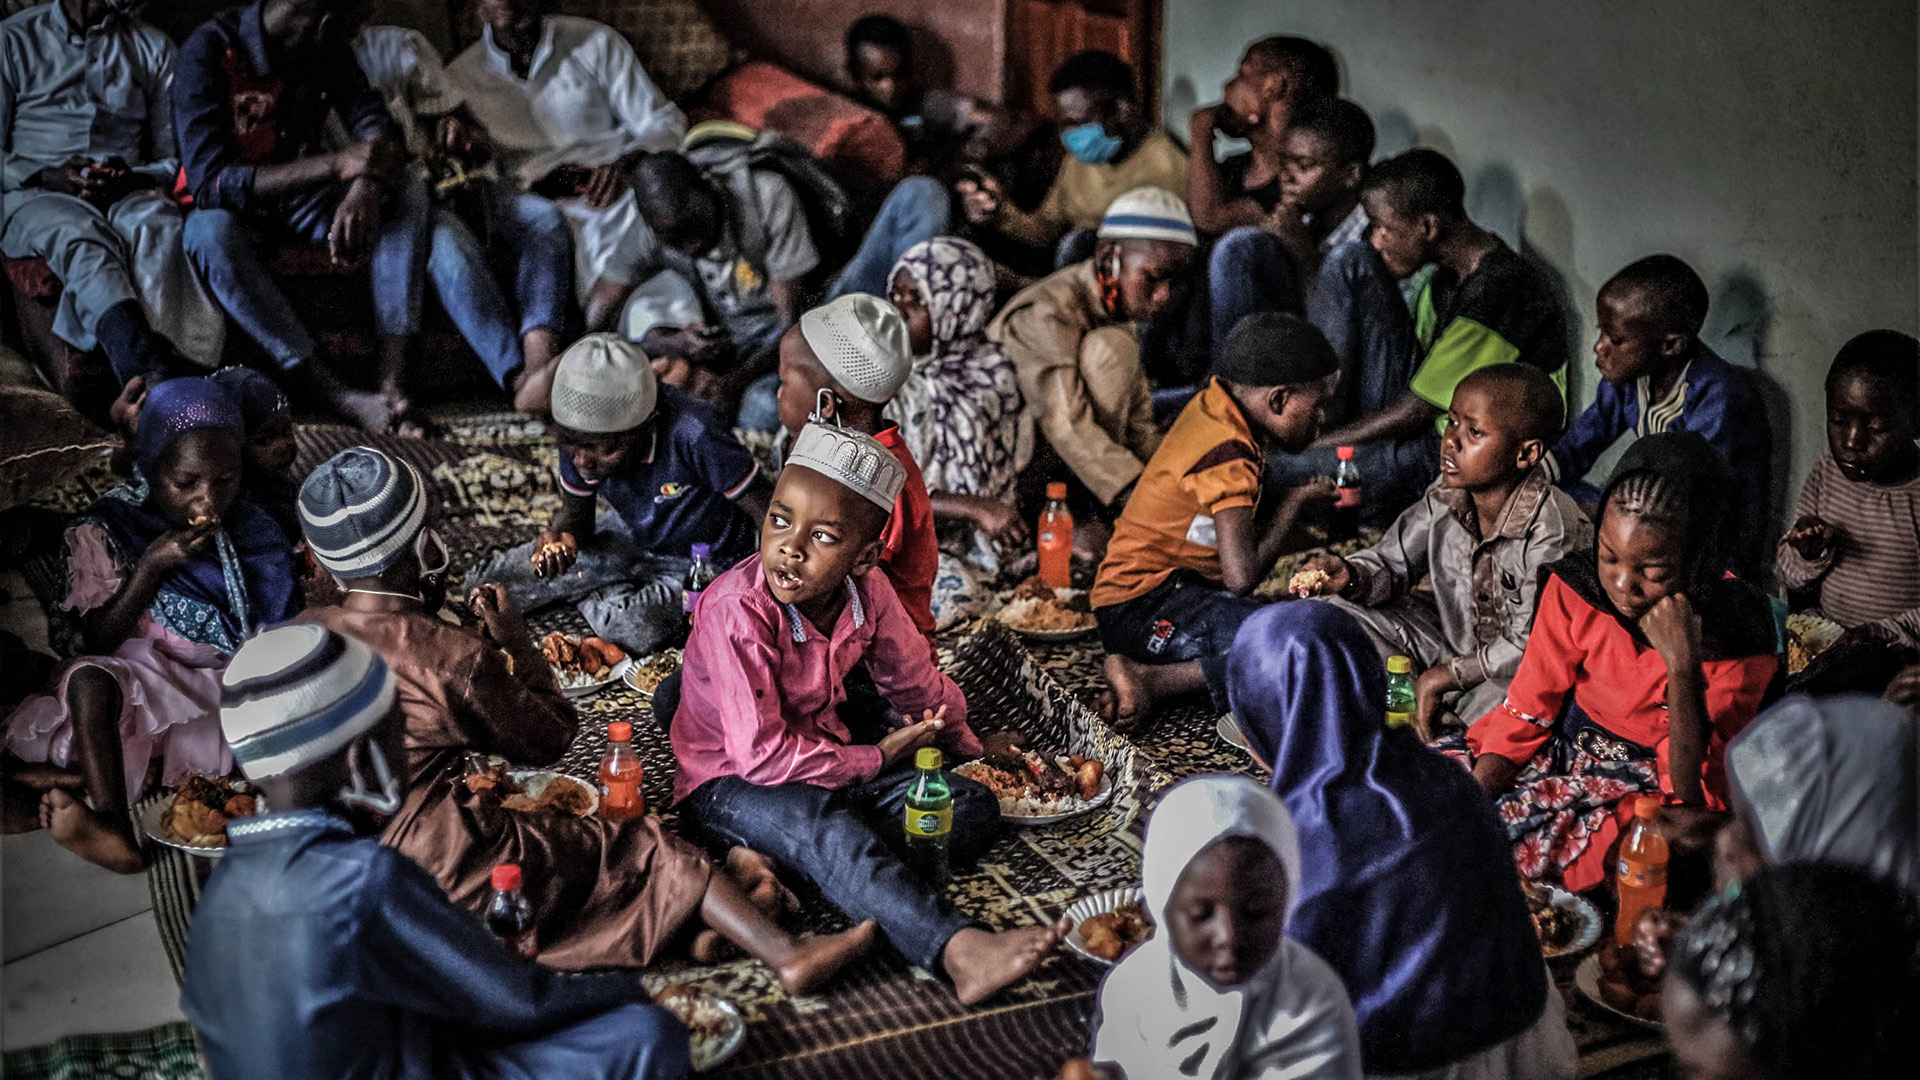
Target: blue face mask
{"x": 1090, "y": 143}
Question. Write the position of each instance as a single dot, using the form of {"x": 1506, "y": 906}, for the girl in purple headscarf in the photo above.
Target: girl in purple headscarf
{"x": 168, "y": 575}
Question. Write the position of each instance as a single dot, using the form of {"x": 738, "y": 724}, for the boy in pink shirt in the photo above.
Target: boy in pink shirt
{"x": 768, "y": 759}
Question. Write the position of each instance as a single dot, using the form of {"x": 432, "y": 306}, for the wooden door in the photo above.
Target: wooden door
{"x": 1042, "y": 33}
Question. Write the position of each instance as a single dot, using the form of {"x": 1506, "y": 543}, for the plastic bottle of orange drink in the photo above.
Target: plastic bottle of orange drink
{"x": 1056, "y": 540}
{"x": 1640, "y": 874}
{"x": 620, "y": 774}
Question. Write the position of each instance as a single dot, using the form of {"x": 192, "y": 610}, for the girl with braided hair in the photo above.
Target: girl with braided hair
{"x": 1802, "y": 972}
{"x": 1645, "y": 659}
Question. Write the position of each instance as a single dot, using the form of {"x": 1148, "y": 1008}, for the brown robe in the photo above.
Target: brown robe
{"x": 606, "y": 894}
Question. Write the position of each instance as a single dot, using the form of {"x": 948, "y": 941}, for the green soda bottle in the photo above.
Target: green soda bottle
{"x": 929, "y": 819}
{"x": 1400, "y": 696}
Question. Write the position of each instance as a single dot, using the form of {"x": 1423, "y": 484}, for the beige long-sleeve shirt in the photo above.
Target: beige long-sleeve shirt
{"x": 1081, "y": 377}
{"x": 1081, "y": 192}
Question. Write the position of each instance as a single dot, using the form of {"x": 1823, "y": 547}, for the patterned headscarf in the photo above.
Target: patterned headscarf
{"x": 956, "y": 279}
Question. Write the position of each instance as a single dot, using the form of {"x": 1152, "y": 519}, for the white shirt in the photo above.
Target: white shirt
{"x": 67, "y": 93}
{"x": 585, "y": 100}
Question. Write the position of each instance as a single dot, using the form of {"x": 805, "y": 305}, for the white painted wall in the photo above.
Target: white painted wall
{"x": 1770, "y": 143}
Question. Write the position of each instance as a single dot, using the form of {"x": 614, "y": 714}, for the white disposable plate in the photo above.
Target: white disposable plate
{"x": 1585, "y": 915}
{"x": 534, "y": 782}
{"x": 1098, "y": 904}
{"x": 633, "y": 668}
{"x": 1587, "y": 978}
{"x": 710, "y": 1050}
{"x": 1000, "y": 616}
{"x": 1231, "y": 734}
{"x": 581, "y": 690}
{"x": 150, "y": 823}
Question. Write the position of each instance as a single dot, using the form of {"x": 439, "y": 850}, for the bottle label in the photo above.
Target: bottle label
{"x": 929, "y": 823}
{"x": 1639, "y": 875}
{"x": 1046, "y": 536}
{"x": 1349, "y": 498}
{"x": 688, "y": 598}
{"x": 525, "y": 945}
{"x": 1399, "y": 719}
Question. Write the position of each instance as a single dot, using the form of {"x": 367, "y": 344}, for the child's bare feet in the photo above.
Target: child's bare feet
{"x": 372, "y": 413}
{"x": 533, "y": 387}
{"x": 1127, "y": 705}
{"x": 982, "y": 963}
{"x": 80, "y": 830}
{"x": 755, "y": 875}
{"x": 709, "y": 947}
{"x": 817, "y": 959}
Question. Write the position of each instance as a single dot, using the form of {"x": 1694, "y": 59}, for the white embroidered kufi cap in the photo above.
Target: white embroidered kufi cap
{"x": 854, "y": 458}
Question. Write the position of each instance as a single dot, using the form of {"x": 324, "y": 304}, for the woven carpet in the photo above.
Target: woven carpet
{"x": 493, "y": 479}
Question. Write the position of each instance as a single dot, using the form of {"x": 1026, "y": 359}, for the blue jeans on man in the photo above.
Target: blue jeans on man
{"x": 534, "y": 233}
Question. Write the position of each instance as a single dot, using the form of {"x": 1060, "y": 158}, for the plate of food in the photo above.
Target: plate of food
{"x": 1611, "y": 978}
{"x": 643, "y": 677}
{"x": 1229, "y": 731}
{"x": 1567, "y": 924}
{"x": 1040, "y": 789}
{"x": 583, "y": 665}
{"x": 1035, "y": 611}
{"x": 195, "y": 819}
{"x": 531, "y": 791}
{"x": 714, "y": 1025}
{"x": 1107, "y": 925}
{"x": 1808, "y": 636}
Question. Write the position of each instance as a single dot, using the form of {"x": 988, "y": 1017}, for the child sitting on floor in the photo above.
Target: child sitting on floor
{"x": 316, "y": 952}
{"x": 1657, "y": 375}
{"x": 674, "y": 475}
{"x": 1857, "y": 531}
{"x": 843, "y": 363}
{"x": 766, "y": 760}
{"x": 1645, "y": 660}
{"x": 1188, "y": 551}
{"x": 1484, "y": 530}
{"x": 266, "y": 473}
{"x": 168, "y": 576}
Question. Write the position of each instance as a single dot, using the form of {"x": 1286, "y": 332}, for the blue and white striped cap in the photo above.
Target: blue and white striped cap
{"x": 298, "y": 694}
{"x": 1149, "y": 213}
{"x": 361, "y": 510}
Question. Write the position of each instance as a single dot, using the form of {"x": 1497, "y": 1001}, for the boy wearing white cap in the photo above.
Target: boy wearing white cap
{"x": 318, "y": 953}
{"x": 674, "y": 475}
{"x": 767, "y": 759}
{"x": 842, "y": 364}
{"x": 1072, "y": 341}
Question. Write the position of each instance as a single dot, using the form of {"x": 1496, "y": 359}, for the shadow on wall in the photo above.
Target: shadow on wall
{"x": 1737, "y": 323}
{"x": 932, "y": 58}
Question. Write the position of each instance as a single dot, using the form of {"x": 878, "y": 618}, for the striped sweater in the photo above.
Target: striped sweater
{"x": 1873, "y": 574}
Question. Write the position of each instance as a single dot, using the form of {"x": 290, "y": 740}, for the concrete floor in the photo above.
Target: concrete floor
{"x": 81, "y": 949}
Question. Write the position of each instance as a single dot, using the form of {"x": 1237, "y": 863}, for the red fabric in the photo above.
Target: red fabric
{"x": 849, "y": 138}
{"x": 32, "y": 278}
{"x": 909, "y": 548}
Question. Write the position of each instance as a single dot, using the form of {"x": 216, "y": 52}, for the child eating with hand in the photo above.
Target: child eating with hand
{"x": 1189, "y": 549}
{"x": 1857, "y": 527}
{"x": 766, "y": 760}
{"x": 1483, "y": 530}
{"x": 1645, "y": 660}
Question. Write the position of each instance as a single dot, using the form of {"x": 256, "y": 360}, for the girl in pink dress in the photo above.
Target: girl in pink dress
{"x": 168, "y": 575}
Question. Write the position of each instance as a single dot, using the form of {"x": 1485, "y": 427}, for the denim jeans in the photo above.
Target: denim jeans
{"x": 1248, "y": 271}
{"x": 918, "y": 208}
{"x": 628, "y": 596}
{"x": 1201, "y": 619}
{"x": 226, "y": 248}
{"x": 847, "y": 842}
{"x": 534, "y": 232}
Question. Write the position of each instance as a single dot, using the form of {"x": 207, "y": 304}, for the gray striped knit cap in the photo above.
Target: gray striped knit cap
{"x": 360, "y": 511}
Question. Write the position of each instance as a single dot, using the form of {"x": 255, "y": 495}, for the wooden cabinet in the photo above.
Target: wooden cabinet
{"x": 1042, "y": 33}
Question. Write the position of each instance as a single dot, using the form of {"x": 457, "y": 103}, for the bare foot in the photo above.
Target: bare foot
{"x": 1127, "y": 705}
{"x": 78, "y": 829}
{"x": 755, "y": 875}
{"x": 982, "y": 963}
{"x": 370, "y": 412}
{"x": 533, "y": 388}
{"x": 817, "y": 959}
{"x": 709, "y": 947}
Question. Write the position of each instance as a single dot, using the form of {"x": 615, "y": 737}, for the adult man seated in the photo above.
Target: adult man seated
{"x": 569, "y": 111}
{"x": 251, "y": 94}
{"x": 733, "y": 248}
{"x": 87, "y": 128}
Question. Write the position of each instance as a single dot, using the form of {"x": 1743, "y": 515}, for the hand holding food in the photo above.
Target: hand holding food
{"x": 554, "y": 553}
{"x": 1325, "y": 575}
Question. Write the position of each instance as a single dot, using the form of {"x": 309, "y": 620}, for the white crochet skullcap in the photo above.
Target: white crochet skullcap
{"x": 854, "y": 458}
{"x": 1149, "y": 213}
{"x": 603, "y": 385}
{"x": 297, "y": 694}
{"x": 862, "y": 342}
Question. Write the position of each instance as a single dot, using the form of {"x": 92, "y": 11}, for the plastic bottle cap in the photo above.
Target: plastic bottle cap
{"x": 506, "y": 876}
{"x": 1056, "y": 490}
{"x": 928, "y": 757}
{"x": 702, "y": 551}
{"x": 1344, "y": 453}
{"x": 1399, "y": 665}
{"x": 1648, "y": 808}
{"x": 620, "y": 731}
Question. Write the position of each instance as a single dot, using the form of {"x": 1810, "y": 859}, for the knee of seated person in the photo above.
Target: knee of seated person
{"x": 540, "y": 217}
{"x": 658, "y": 1041}
{"x": 976, "y": 810}
{"x": 920, "y": 191}
{"x": 452, "y": 243}
{"x": 209, "y": 230}
{"x": 1241, "y": 246}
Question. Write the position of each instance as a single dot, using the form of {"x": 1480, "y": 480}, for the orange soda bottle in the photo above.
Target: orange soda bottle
{"x": 1056, "y": 539}
{"x": 620, "y": 774}
{"x": 1640, "y": 874}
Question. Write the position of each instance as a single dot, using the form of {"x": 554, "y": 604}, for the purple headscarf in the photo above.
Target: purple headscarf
{"x": 1407, "y": 884}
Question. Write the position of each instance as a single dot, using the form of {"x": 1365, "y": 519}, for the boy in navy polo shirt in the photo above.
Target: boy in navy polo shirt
{"x": 672, "y": 472}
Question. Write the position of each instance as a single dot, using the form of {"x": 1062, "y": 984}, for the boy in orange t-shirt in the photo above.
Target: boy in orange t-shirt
{"x": 1187, "y": 553}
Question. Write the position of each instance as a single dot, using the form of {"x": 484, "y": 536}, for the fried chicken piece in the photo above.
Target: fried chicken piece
{"x": 239, "y": 806}
{"x": 193, "y": 818}
{"x": 560, "y": 651}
